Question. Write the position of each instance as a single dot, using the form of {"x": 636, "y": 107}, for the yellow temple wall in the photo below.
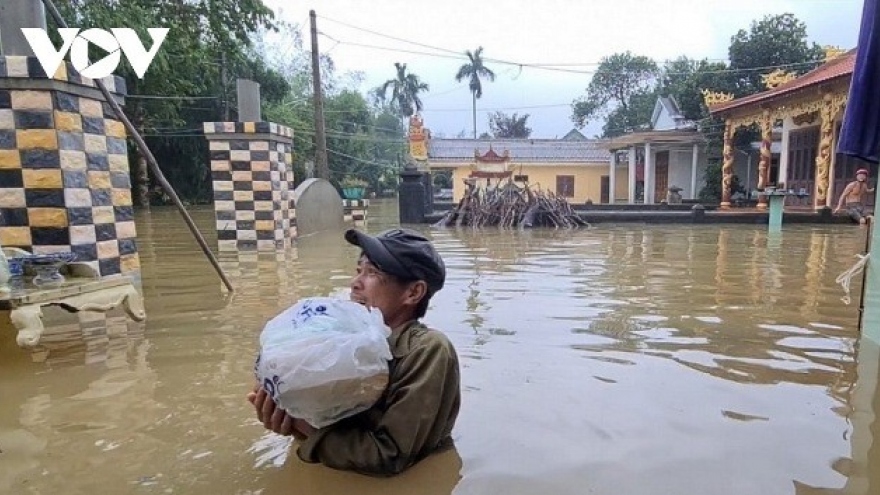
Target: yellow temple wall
{"x": 621, "y": 187}
{"x": 587, "y": 179}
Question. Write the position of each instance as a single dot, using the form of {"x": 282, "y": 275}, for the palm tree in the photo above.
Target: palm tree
{"x": 405, "y": 91}
{"x": 473, "y": 70}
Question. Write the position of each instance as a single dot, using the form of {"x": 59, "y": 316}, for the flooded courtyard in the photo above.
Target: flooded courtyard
{"x": 630, "y": 359}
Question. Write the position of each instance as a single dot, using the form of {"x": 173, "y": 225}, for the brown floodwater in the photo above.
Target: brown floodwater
{"x": 631, "y": 359}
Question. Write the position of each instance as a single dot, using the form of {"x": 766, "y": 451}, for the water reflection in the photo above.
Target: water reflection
{"x": 860, "y": 466}
{"x": 75, "y": 390}
{"x": 615, "y": 360}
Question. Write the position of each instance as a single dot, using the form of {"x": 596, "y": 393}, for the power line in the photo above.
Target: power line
{"x": 575, "y": 71}
{"x": 415, "y": 43}
{"x": 544, "y": 66}
{"x": 459, "y": 52}
{"x": 169, "y": 97}
{"x": 367, "y": 162}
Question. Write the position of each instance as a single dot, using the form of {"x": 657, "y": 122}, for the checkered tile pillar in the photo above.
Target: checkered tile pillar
{"x": 253, "y": 185}
{"x": 355, "y": 211}
{"x": 64, "y": 175}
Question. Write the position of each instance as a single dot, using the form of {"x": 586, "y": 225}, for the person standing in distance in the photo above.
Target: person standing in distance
{"x": 855, "y": 196}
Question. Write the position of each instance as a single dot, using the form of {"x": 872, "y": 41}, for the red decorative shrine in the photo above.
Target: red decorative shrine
{"x": 491, "y": 165}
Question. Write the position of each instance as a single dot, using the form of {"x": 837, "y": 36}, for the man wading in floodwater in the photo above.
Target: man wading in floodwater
{"x": 856, "y": 196}
{"x": 398, "y": 272}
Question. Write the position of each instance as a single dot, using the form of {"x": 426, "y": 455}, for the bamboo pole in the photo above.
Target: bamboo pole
{"x": 151, "y": 160}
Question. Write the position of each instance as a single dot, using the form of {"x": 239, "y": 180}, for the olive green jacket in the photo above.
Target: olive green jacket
{"x": 413, "y": 419}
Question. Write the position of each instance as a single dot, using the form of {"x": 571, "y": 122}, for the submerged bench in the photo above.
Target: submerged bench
{"x": 25, "y": 303}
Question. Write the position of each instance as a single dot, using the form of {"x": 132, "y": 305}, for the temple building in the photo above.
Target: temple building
{"x": 574, "y": 167}
{"x": 809, "y": 110}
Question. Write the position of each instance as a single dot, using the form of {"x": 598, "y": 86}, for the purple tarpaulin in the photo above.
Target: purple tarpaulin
{"x": 860, "y": 132}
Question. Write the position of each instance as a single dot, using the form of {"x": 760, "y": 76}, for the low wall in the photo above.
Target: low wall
{"x": 692, "y": 216}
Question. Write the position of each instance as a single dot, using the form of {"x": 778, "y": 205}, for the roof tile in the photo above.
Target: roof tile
{"x": 839, "y": 67}
{"x": 521, "y": 150}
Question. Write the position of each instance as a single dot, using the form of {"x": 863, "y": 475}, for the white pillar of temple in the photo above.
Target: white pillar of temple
{"x": 612, "y": 176}
{"x": 631, "y": 177}
{"x": 694, "y": 159}
{"x": 649, "y": 175}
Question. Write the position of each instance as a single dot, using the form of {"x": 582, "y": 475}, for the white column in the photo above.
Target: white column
{"x": 631, "y": 179}
{"x": 694, "y": 159}
{"x": 649, "y": 175}
{"x": 612, "y": 177}
{"x": 787, "y": 126}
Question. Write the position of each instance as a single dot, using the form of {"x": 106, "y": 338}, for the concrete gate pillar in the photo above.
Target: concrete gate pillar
{"x": 252, "y": 175}
{"x": 64, "y": 171}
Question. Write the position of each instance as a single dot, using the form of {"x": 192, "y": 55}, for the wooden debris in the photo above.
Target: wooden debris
{"x": 508, "y": 205}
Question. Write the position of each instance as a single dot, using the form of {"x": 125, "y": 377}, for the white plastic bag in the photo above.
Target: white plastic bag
{"x": 324, "y": 359}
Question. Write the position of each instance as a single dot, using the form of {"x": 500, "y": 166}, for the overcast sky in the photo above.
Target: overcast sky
{"x": 577, "y": 33}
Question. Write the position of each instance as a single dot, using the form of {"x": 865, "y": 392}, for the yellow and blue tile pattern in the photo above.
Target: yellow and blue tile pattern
{"x": 64, "y": 176}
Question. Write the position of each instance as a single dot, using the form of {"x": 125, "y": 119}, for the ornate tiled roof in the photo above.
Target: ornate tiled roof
{"x": 837, "y": 68}
{"x": 520, "y": 150}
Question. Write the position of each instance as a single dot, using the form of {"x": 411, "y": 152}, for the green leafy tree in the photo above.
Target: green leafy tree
{"x": 388, "y": 144}
{"x": 711, "y": 192}
{"x": 634, "y": 116}
{"x": 473, "y": 71}
{"x": 442, "y": 179}
{"x": 618, "y": 79}
{"x": 405, "y": 89}
{"x": 684, "y": 79}
{"x": 509, "y": 126}
{"x": 775, "y": 40}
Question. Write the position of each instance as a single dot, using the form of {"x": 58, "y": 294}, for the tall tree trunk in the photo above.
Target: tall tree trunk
{"x": 143, "y": 182}
{"x": 474, "y": 95}
{"x": 141, "y": 186}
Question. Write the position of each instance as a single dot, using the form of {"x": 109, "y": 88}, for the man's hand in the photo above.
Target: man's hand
{"x": 275, "y": 418}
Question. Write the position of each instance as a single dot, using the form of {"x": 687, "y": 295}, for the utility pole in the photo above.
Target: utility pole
{"x": 322, "y": 169}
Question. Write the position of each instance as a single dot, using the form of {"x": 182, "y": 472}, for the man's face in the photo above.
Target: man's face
{"x": 861, "y": 177}
{"x": 373, "y": 288}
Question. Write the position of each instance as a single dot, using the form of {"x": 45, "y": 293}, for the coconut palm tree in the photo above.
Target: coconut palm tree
{"x": 473, "y": 70}
{"x": 405, "y": 89}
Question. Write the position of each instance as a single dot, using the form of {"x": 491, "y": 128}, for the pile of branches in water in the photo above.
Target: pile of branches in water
{"x": 508, "y": 205}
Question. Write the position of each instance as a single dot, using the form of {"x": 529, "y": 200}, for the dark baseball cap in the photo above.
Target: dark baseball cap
{"x": 403, "y": 253}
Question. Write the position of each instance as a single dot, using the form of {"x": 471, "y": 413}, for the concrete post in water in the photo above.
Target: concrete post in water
{"x": 777, "y": 202}
{"x": 699, "y": 213}
{"x": 411, "y": 197}
{"x": 64, "y": 171}
{"x": 252, "y": 175}
{"x": 17, "y": 14}
{"x": 870, "y": 325}
{"x": 355, "y": 211}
